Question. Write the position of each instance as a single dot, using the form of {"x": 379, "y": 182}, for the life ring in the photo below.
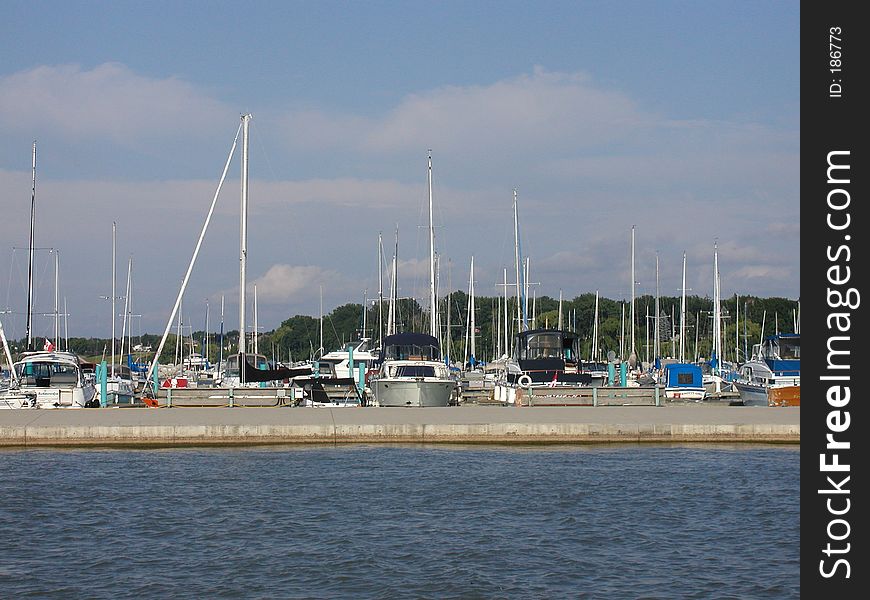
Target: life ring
{"x": 524, "y": 380}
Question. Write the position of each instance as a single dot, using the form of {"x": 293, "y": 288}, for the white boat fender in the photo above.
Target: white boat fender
{"x": 524, "y": 380}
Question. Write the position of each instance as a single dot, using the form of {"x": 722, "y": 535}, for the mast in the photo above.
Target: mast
{"x": 114, "y": 277}
{"x": 497, "y": 327}
{"x": 745, "y": 334}
{"x": 560, "y": 310}
{"x": 507, "y": 343}
{"x": 256, "y": 337}
{"x": 193, "y": 258}
{"x": 380, "y": 291}
{"x": 57, "y": 299}
{"x": 243, "y": 246}
{"x": 683, "y": 313}
{"x": 30, "y": 260}
{"x": 646, "y": 344}
{"x": 631, "y": 350}
{"x": 657, "y": 334}
{"x": 205, "y": 336}
{"x": 65, "y": 325}
{"x": 736, "y": 328}
{"x": 473, "y": 324}
{"x": 717, "y": 331}
{"x": 622, "y": 334}
{"x": 595, "y": 330}
{"x": 526, "y": 271}
{"x": 221, "y": 351}
{"x": 394, "y": 290}
{"x": 432, "y": 306}
{"x": 521, "y": 324}
{"x": 321, "y": 349}
{"x": 126, "y": 308}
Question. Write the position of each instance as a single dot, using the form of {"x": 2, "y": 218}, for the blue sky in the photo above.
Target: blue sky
{"x": 681, "y": 118}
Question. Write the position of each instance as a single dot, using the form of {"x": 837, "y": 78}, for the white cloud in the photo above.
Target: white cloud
{"x": 107, "y": 102}
{"x": 291, "y": 283}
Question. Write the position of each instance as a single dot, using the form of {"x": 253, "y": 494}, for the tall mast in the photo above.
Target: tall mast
{"x": 560, "y": 310}
{"x": 394, "y": 290}
{"x": 631, "y": 349}
{"x": 114, "y": 276}
{"x": 656, "y": 333}
{"x": 127, "y": 311}
{"x": 30, "y": 260}
{"x": 205, "y": 337}
{"x": 432, "y": 307}
{"x": 256, "y": 337}
{"x": 507, "y": 335}
{"x": 221, "y": 351}
{"x": 322, "y": 349}
{"x": 622, "y": 334}
{"x": 380, "y": 291}
{"x": 57, "y": 299}
{"x": 683, "y": 313}
{"x": 595, "y": 330}
{"x": 193, "y": 260}
{"x": 521, "y": 324}
{"x": 471, "y": 311}
{"x": 65, "y": 326}
{"x": 243, "y": 244}
{"x": 717, "y": 332}
{"x": 736, "y": 328}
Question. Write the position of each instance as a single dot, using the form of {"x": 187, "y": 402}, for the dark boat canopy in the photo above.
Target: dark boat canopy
{"x": 410, "y": 346}
{"x": 537, "y": 344}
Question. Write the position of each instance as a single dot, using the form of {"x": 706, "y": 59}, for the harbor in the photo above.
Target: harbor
{"x": 192, "y": 426}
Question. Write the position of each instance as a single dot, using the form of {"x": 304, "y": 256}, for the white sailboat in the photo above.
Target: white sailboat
{"x": 46, "y": 378}
{"x": 412, "y": 372}
{"x": 240, "y": 369}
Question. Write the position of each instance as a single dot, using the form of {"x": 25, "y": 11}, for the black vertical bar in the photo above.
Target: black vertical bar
{"x": 834, "y": 169}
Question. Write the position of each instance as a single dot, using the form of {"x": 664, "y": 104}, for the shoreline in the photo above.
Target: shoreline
{"x": 472, "y": 424}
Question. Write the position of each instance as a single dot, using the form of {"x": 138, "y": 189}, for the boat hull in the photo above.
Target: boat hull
{"x": 416, "y": 393}
{"x": 685, "y": 393}
{"x": 788, "y": 395}
{"x": 756, "y": 395}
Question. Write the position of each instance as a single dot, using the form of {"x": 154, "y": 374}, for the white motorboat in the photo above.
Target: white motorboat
{"x": 48, "y": 380}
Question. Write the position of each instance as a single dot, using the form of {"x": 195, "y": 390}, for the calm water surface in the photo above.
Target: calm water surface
{"x": 634, "y": 521}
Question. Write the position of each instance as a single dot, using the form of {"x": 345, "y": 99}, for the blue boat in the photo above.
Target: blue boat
{"x": 684, "y": 381}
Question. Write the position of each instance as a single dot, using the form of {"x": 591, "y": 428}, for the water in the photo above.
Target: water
{"x": 633, "y": 521}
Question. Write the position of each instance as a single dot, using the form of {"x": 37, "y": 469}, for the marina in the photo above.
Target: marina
{"x": 424, "y": 301}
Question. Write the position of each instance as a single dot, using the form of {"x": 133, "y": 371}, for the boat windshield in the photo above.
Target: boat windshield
{"x": 784, "y": 348}
{"x": 546, "y": 345}
{"x": 415, "y": 371}
{"x": 47, "y": 374}
{"x": 411, "y": 352}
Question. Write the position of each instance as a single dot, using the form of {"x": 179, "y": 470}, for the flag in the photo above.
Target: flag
{"x": 48, "y": 347}
{"x": 555, "y": 379}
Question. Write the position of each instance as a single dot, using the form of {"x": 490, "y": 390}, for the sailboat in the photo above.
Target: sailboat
{"x": 120, "y": 388}
{"x": 44, "y": 378}
{"x": 412, "y": 372}
{"x": 241, "y": 369}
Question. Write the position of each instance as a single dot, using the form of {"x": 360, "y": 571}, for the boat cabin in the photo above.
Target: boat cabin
{"x": 410, "y": 346}
{"x": 781, "y": 352}
{"x": 546, "y": 355}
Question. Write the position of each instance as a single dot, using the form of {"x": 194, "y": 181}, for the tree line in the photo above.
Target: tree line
{"x": 298, "y": 338}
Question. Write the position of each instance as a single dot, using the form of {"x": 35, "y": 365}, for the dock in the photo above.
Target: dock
{"x": 211, "y": 426}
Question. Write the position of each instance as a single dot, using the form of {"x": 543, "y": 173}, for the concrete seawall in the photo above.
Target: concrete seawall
{"x": 464, "y": 424}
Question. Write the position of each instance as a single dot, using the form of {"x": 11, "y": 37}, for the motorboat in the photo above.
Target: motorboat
{"x": 772, "y": 377}
{"x": 412, "y": 374}
{"x": 48, "y": 380}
